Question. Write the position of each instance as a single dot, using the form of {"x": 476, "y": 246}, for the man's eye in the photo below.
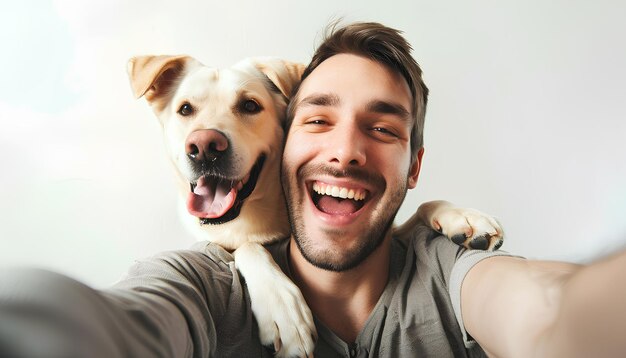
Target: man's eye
{"x": 384, "y": 131}
{"x": 316, "y": 122}
{"x": 185, "y": 109}
{"x": 250, "y": 106}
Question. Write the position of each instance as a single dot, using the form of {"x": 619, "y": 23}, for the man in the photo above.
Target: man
{"x": 363, "y": 93}
{"x": 371, "y": 294}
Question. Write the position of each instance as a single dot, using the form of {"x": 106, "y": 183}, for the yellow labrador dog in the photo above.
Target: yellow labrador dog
{"x": 224, "y": 134}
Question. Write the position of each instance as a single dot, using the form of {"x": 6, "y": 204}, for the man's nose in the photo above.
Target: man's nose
{"x": 347, "y": 147}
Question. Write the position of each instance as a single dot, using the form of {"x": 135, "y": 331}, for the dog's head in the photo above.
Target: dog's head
{"x": 224, "y": 134}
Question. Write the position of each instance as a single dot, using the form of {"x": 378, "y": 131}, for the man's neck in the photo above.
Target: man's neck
{"x": 343, "y": 301}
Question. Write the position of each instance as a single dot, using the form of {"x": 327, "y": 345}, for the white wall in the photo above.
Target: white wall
{"x": 526, "y": 118}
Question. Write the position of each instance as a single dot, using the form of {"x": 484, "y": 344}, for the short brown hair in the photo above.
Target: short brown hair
{"x": 383, "y": 45}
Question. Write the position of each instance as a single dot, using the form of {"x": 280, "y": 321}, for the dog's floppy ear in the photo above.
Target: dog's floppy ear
{"x": 152, "y": 76}
{"x": 284, "y": 75}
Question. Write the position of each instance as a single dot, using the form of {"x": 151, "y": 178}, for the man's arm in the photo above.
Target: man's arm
{"x": 522, "y": 308}
{"x": 170, "y": 305}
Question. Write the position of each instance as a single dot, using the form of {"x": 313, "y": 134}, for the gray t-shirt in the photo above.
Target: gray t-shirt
{"x": 193, "y": 303}
{"x": 416, "y": 316}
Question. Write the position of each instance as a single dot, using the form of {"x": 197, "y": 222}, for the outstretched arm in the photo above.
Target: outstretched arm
{"x": 178, "y": 304}
{"x": 522, "y": 308}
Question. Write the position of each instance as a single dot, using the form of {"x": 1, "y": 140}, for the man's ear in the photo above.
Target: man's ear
{"x": 414, "y": 171}
{"x": 154, "y": 76}
{"x": 284, "y": 75}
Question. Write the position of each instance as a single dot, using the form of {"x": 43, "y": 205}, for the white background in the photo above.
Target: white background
{"x": 526, "y": 118}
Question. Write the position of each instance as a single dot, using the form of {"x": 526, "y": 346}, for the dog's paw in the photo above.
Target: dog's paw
{"x": 284, "y": 319}
{"x": 469, "y": 228}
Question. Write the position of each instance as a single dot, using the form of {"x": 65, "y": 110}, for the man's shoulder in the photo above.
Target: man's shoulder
{"x": 435, "y": 255}
{"x": 429, "y": 246}
{"x": 201, "y": 265}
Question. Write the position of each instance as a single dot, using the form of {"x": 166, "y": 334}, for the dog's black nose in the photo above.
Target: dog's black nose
{"x": 205, "y": 145}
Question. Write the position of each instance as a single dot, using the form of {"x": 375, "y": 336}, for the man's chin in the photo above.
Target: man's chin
{"x": 337, "y": 250}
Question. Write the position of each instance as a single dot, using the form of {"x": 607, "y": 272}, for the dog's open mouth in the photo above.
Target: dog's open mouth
{"x": 216, "y": 200}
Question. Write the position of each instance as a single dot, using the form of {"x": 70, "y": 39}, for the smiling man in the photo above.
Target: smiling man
{"x": 353, "y": 149}
{"x": 356, "y": 132}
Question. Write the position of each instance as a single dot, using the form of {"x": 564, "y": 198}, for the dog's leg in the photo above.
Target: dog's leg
{"x": 281, "y": 312}
{"x": 464, "y": 226}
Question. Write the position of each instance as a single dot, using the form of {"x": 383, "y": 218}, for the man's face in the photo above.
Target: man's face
{"x": 346, "y": 164}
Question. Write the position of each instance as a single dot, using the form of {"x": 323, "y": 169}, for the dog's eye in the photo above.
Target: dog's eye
{"x": 250, "y": 106}
{"x": 185, "y": 109}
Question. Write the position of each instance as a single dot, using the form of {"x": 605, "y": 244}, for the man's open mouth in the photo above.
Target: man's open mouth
{"x": 337, "y": 200}
{"x": 216, "y": 200}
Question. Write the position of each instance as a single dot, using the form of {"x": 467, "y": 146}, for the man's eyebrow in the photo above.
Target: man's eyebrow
{"x": 385, "y": 107}
{"x": 320, "y": 99}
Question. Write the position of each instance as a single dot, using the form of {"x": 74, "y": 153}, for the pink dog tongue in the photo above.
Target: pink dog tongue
{"x": 210, "y": 199}
{"x": 335, "y": 206}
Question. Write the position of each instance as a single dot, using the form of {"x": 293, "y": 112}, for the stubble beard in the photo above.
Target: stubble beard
{"x": 371, "y": 236}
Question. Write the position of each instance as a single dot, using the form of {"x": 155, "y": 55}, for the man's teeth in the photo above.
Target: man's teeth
{"x": 339, "y": 192}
